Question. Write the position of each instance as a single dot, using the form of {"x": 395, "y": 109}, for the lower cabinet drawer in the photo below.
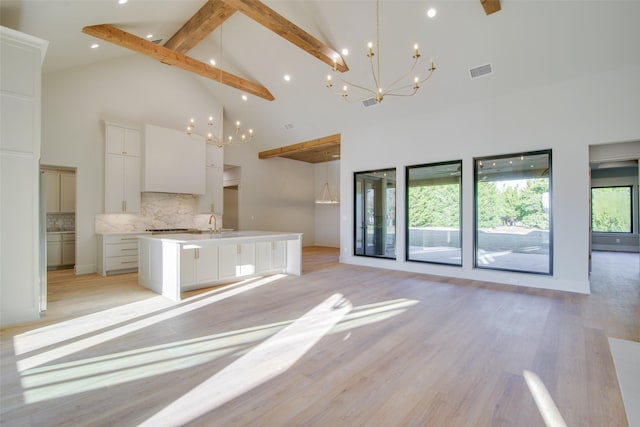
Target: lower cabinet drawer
{"x": 121, "y": 262}
{"x": 122, "y": 249}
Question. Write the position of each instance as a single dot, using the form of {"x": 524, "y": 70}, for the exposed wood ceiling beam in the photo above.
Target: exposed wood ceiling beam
{"x": 314, "y": 151}
{"x": 208, "y": 18}
{"x": 490, "y": 6}
{"x": 167, "y": 56}
{"x": 275, "y": 22}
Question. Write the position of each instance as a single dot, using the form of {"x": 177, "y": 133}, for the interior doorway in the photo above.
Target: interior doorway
{"x": 614, "y": 205}
{"x": 231, "y": 197}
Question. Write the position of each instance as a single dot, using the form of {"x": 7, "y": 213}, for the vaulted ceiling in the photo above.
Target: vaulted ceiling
{"x": 528, "y": 44}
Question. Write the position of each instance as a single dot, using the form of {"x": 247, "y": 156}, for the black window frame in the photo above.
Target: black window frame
{"x": 631, "y": 217}
{"x": 476, "y": 162}
{"x": 460, "y": 212}
{"x": 355, "y": 213}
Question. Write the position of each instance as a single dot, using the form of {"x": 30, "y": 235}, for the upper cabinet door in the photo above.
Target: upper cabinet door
{"x": 115, "y": 139}
{"x": 67, "y": 192}
{"x": 131, "y": 142}
{"x": 52, "y": 188}
{"x": 122, "y": 140}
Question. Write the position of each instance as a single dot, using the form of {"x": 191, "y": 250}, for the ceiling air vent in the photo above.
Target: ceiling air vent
{"x": 288, "y": 126}
{"x": 479, "y": 71}
{"x": 369, "y": 102}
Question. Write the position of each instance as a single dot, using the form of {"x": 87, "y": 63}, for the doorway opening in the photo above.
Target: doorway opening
{"x": 614, "y": 205}
{"x": 231, "y": 197}
{"x": 58, "y": 213}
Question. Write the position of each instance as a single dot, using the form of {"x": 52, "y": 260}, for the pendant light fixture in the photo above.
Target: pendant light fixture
{"x": 325, "y": 197}
{"x": 402, "y": 86}
{"x": 237, "y": 137}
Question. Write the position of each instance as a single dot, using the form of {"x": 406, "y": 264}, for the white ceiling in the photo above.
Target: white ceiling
{"x": 528, "y": 43}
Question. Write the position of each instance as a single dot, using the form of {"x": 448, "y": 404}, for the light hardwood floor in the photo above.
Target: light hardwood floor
{"x": 339, "y": 346}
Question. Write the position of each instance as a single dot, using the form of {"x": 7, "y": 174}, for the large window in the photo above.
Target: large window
{"x": 375, "y": 213}
{"x": 611, "y": 209}
{"x": 433, "y": 213}
{"x": 513, "y": 212}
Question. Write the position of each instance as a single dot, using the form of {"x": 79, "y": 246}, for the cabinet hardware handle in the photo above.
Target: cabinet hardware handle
{"x": 129, "y": 262}
{"x": 129, "y": 249}
{"x": 125, "y": 205}
{"x": 197, "y": 256}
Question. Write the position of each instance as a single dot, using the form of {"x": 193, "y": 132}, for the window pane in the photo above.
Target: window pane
{"x": 433, "y": 213}
{"x": 513, "y": 220}
{"x": 611, "y": 209}
{"x": 375, "y": 213}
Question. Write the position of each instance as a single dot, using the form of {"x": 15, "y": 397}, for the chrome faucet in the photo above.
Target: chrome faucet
{"x": 215, "y": 223}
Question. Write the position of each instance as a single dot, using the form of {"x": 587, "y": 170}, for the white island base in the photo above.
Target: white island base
{"x": 172, "y": 263}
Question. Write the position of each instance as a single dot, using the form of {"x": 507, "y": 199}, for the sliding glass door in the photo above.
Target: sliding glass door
{"x": 375, "y": 210}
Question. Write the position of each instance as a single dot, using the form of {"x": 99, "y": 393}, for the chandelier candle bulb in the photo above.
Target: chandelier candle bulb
{"x": 416, "y": 54}
{"x": 370, "y": 46}
{"x": 210, "y": 121}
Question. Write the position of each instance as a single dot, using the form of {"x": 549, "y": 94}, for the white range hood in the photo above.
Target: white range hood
{"x": 173, "y": 162}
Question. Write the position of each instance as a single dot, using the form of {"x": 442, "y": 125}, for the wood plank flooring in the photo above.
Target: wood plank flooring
{"x": 401, "y": 349}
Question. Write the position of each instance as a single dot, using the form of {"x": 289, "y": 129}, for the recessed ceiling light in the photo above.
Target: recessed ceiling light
{"x": 244, "y": 97}
{"x": 212, "y": 61}
{"x": 431, "y": 12}
{"x": 149, "y": 36}
{"x": 345, "y": 51}
{"x": 122, "y": 1}
{"x": 287, "y": 78}
{"x": 95, "y": 46}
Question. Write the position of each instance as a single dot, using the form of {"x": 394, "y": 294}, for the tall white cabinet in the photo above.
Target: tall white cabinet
{"x": 21, "y": 57}
{"x": 122, "y": 169}
{"x": 212, "y": 200}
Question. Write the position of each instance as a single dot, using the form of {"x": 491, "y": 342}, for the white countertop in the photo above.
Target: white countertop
{"x": 123, "y": 233}
{"x": 225, "y": 236}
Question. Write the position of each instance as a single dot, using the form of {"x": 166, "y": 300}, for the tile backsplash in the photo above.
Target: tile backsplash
{"x": 157, "y": 210}
{"x": 61, "y": 222}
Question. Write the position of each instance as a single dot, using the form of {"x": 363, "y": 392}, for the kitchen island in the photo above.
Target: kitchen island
{"x": 172, "y": 263}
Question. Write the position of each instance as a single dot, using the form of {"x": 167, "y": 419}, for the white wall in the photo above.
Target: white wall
{"x": 566, "y": 117}
{"x": 327, "y": 217}
{"x": 274, "y": 194}
{"x": 132, "y": 89}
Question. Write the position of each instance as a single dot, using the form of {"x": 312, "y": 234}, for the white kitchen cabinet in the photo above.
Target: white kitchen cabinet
{"x": 213, "y": 198}
{"x": 60, "y": 191}
{"x": 198, "y": 265}
{"x": 174, "y": 162}
{"x": 54, "y": 250}
{"x": 271, "y": 256}
{"x": 118, "y": 253}
{"x": 236, "y": 260}
{"x": 171, "y": 264}
{"x": 22, "y": 286}
{"x": 67, "y": 192}
{"x": 61, "y": 249}
{"x": 122, "y": 170}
